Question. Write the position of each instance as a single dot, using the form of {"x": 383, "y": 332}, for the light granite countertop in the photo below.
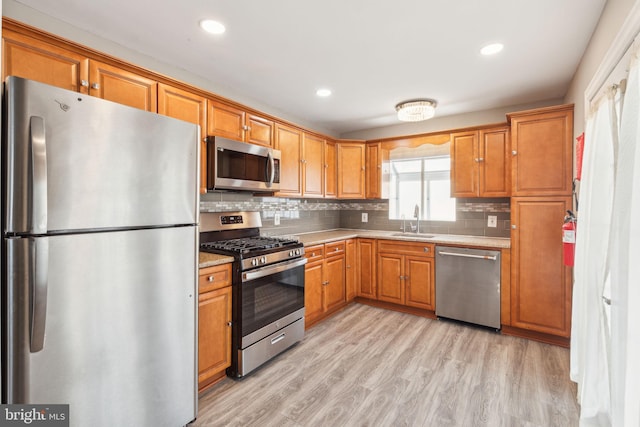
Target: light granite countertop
{"x": 319, "y": 237}
{"x": 209, "y": 260}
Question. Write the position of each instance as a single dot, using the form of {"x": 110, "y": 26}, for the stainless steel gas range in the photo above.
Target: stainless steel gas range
{"x": 268, "y": 287}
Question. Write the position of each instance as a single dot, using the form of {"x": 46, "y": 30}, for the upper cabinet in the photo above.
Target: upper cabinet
{"x": 190, "y": 107}
{"x": 330, "y": 169}
{"x": 351, "y": 169}
{"x": 376, "y": 160}
{"x": 121, "y": 86}
{"x": 231, "y": 122}
{"x": 34, "y": 59}
{"x": 541, "y": 149}
{"x": 289, "y": 141}
{"x": 313, "y": 170}
{"x": 480, "y": 163}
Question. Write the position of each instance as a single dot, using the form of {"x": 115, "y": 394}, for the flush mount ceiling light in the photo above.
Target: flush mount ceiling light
{"x": 211, "y": 26}
{"x": 323, "y": 92}
{"x": 416, "y": 110}
{"x": 492, "y": 49}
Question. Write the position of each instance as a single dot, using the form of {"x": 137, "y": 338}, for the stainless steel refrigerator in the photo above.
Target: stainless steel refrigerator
{"x": 99, "y": 258}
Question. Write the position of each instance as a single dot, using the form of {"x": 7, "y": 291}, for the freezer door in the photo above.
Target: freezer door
{"x": 76, "y": 162}
{"x": 108, "y": 327}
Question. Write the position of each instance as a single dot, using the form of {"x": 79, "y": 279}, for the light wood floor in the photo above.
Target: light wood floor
{"x": 372, "y": 367}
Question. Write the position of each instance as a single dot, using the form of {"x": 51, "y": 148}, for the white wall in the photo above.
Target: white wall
{"x": 613, "y": 16}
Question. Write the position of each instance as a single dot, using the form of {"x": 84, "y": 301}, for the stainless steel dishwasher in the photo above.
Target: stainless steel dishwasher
{"x": 468, "y": 285}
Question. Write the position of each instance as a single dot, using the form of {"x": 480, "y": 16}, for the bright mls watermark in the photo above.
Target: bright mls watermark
{"x": 34, "y": 415}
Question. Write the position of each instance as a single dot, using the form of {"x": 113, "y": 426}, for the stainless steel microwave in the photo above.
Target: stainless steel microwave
{"x": 239, "y": 166}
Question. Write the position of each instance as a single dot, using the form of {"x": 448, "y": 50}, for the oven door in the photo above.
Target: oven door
{"x": 269, "y": 298}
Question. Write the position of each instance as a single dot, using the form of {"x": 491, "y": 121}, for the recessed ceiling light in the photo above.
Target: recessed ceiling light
{"x": 211, "y": 26}
{"x": 492, "y": 49}
{"x": 323, "y": 92}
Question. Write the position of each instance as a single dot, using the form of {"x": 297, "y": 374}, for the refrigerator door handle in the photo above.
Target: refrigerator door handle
{"x": 39, "y": 248}
{"x": 38, "y": 143}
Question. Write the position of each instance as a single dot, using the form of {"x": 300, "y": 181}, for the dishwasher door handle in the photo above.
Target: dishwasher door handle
{"x": 490, "y": 258}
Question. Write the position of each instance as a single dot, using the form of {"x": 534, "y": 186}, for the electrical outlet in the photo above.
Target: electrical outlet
{"x": 492, "y": 221}
{"x": 276, "y": 219}
{"x": 365, "y": 217}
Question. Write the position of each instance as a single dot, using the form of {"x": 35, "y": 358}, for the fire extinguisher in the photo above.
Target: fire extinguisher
{"x": 569, "y": 238}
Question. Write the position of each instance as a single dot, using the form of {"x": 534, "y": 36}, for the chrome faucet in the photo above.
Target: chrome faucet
{"x": 416, "y": 215}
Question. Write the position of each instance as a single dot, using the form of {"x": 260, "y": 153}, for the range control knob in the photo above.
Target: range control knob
{"x": 263, "y": 260}
{"x": 254, "y": 262}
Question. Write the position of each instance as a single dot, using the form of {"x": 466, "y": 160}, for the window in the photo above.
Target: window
{"x": 424, "y": 182}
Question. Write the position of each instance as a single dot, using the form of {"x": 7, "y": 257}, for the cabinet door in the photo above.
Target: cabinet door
{"x": 373, "y": 171}
{"x": 121, "y": 86}
{"x": 540, "y": 283}
{"x": 312, "y": 165}
{"x": 391, "y": 278}
{"x": 464, "y": 164}
{"x": 225, "y": 120}
{"x": 313, "y": 279}
{"x": 259, "y": 130}
{"x": 334, "y": 289}
{"x": 351, "y": 270}
{"x": 214, "y": 333}
{"x": 542, "y": 147}
{"x": 289, "y": 142}
{"x": 419, "y": 280}
{"x": 187, "y": 106}
{"x": 367, "y": 268}
{"x": 351, "y": 170}
{"x": 43, "y": 62}
{"x": 495, "y": 164}
{"x": 330, "y": 170}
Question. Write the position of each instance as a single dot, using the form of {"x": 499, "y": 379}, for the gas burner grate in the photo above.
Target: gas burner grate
{"x": 248, "y": 244}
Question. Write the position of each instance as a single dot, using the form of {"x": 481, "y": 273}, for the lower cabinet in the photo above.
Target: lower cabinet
{"x": 214, "y": 324}
{"x": 351, "y": 269}
{"x": 366, "y": 275}
{"x": 325, "y": 280}
{"x": 406, "y": 274}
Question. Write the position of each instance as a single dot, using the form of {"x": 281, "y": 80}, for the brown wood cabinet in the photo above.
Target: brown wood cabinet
{"x": 214, "y": 324}
{"x": 481, "y": 163}
{"x": 190, "y": 107}
{"x": 289, "y": 141}
{"x": 406, "y": 273}
{"x": 540, "y": 283}
{"x": 48, "y": 63}
{"x": 351, "y": 170}
{"x": 351, "y": 269}
{"x": 366, "y": 286}
{"x": 124, "y": 87}
{"x": 373, "y": 170}
{"x": 541, "y": 148}
{"x": 325, "y": 280}
{"x": 330, "y": 170}
{"x": 313, "y": 165}
{"x": 229, "y": 121}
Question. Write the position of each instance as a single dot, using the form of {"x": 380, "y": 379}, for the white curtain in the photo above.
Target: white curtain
{"x": 589, "y": 335}
{"x": 605, "y": 341}
{"x": 625, "y": 262}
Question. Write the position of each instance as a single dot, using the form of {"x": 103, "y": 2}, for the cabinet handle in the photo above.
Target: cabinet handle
{"x": 426, "y": 250}
{"x": 95, "y": 85}
{"x": 245, "y": 127}
{"x": 229, "y": 323}
{"x": 514, "y": 152}
{"x": 513, "y": 226}
{"x": 481, "y": 159}
{"x": 348, "y": 266}
{"x": 84, "y": 83}
{"x": 210, "y": 278}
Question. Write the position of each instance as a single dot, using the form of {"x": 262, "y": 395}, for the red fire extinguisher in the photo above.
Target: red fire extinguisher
{"x": 569, "y": 238}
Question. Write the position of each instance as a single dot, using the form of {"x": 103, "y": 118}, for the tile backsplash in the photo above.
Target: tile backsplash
{"x": 307, "y": 215}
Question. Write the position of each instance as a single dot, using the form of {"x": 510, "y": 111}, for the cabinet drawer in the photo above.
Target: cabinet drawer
{"x": 314, "y": 253}
{"x": 334, "y": 248}
{"x": 215, "y": 277}
{"x": 409, "y": 248}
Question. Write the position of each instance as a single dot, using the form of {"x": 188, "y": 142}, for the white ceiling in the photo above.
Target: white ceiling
{"x": 371, "y": 53}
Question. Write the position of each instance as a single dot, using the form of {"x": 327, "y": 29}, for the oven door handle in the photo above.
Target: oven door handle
{"x": 273, "y": 269}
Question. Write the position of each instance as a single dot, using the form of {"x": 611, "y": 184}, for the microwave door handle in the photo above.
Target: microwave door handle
{"x": 38, "y": 142}
{"x": 271, "y": 169}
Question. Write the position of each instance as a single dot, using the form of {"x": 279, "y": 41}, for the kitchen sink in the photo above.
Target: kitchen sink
{"x": 421, "y": 235}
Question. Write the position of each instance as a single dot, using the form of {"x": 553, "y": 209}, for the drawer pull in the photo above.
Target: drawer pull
{"x": 278, "y": 338}
{"x": 210, "y": 278}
